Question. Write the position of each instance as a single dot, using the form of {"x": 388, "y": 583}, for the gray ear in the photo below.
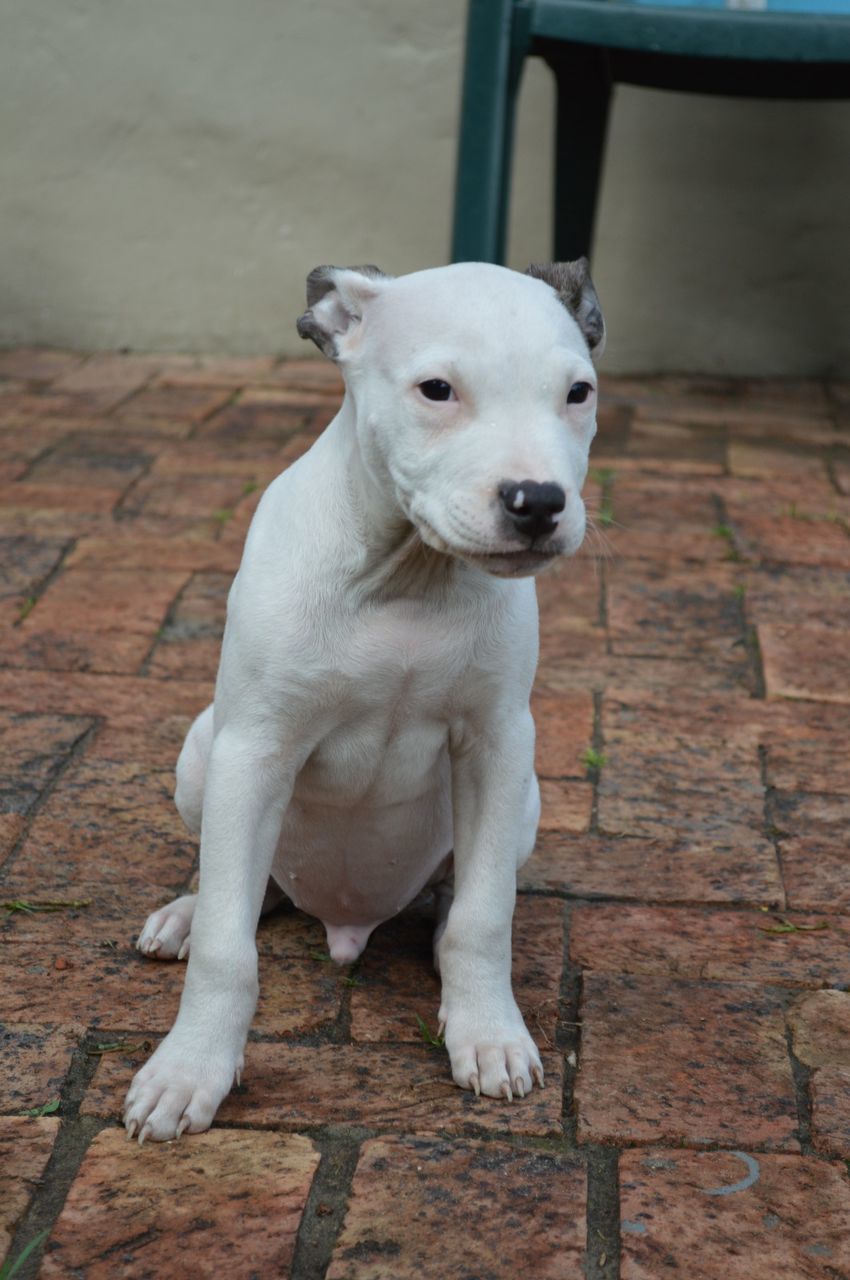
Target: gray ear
{"x": 336, "y": 297}
{"x": 573, "y": 285}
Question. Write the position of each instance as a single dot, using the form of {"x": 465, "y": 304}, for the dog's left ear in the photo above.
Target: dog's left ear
{"x": 336, "y": 297}
{"x": 573, "y": 285}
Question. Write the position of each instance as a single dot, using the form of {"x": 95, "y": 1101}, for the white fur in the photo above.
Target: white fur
{"x": 371, "y": 711}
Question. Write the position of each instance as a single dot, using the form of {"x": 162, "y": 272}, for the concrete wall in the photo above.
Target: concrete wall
{"x": 170, "y": 172}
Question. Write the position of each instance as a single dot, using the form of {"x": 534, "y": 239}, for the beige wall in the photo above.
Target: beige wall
{"x": 171, "y": 171}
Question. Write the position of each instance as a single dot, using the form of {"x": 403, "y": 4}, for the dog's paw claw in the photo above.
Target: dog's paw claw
{"x": 506, "y": 1092}
{"x": 475, "y": 1085}
{"x": 519, "y": 1087}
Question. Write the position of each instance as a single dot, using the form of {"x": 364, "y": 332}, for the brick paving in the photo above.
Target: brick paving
{"x": 682, "y": 937}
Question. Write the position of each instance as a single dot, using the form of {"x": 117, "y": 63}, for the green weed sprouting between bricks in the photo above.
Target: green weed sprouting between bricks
{"x": 222, "y": 516}
{"x": 604, "y": 477}
{"x": 593, "y": 759}
{"x": 46, "y": 1109}
{"x": 119, "y": 1046}
{"x": 433, "y": 1041}
{"x": 58, "y": 904}
{"x": 784, "y": 926}
{"x": 250, "y": 486}
{"x": 725, "y": 532}
{"x": 26, "y": 608}
{"x": 11, "y": 1268}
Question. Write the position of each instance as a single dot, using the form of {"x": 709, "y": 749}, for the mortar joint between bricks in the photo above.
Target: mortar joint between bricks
{"x": 772, "y": 831}
{"x": 802, "y": 1077}
{"x": 77, "y": 748}
{"x": 170, "y": 614}
{"x": 72, "y": 1142}
{"x": 602, "y": 1253}
{"x": 597, "y": 742}
{"x": 42, "y": 584}
{"x": 324, "y": 1212}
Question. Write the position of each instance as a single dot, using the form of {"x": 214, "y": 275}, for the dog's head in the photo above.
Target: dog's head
{"x": 475, "y": 397}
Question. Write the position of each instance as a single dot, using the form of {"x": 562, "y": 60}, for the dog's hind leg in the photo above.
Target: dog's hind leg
{"x": 165, "y": 935}
{"x": 192, "y": 770}
{"x": 167, "y": 932}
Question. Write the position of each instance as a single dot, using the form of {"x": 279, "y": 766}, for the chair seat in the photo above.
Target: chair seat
{"x": 786, "y": 31}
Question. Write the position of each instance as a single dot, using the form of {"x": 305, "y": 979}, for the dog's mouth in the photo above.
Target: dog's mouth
{"x": 514, "y": 562}
{"x": 521, "y": 563}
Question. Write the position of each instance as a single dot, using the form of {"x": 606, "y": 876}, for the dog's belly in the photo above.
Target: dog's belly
{"x": 369, "y": 823}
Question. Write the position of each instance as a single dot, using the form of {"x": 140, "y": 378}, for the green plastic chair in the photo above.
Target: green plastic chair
{"x": 695, "y": 46}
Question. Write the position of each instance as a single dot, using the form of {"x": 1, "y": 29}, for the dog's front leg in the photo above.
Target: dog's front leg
{"x": 495, "y": 801}
{"x": 182, "y": 1085}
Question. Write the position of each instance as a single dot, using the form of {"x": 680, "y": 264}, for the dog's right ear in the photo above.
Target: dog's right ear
{"x": 336, "y": 297}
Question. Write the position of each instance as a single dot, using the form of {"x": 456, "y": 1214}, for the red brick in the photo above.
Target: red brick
{"x": 129, "y": 548}
{"x": 25, "y": 1148}
{"x": 35, "y": 1062}
{"x": 763, "y": 461}
{"x": 793, "y": 540}
{"x": 805, "y": 662}
{"x": 134, "y": 703}
{"x": 190, "y": 642}
{"x": 115, "y": 988}
{"x": 686, "y": 1212}
{"x": 108, "y": 378}
{"x": 184, "y": 495}
{"x": 565, "y": 806}
{"x": 528, "y": 1208}
{"x": 830, "y": 1090}
{"x": 658, "y": 613}
{"x": 96, "y": 651}
{"x": 673, "y": 448}
{"x": 37, "y": 364}
{"x": 34, "y": 747}
{"x": 217, "y": 371}
{"x": 27, "y": 495}
{"x": 396, "y": 983}
{"x": 254, "y": 421}
{"x": 112, "y": 600}
{"x": 234, "y": 1200}
{"x": 779, "y": 594}
{"x": 780, "y": 497}
{"x": 820, "y": 1025}
{"x": 11, "y": 826}
{"x": 25, "y": 561}
{"x": 398, "y": 1087}
{"x": 92, "y": 462}
{"x": 564, "y": 732}
{"x": 814, "y": 869}
{"x": 668, "y": 1060}
{"x": 311, "y": 374}
{"x": 17, "y": 409}
{"x": 732, "y": 946}
{"x": 655, "y": 871}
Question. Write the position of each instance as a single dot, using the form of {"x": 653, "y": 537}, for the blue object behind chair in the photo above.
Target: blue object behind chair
{"x": 791, "y": 49}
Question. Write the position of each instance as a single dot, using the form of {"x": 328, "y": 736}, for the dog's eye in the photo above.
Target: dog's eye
{"x": 436, "y": 389}
{"x": 579, "y": 392}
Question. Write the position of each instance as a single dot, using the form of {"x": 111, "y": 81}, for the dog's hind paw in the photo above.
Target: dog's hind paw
{"x": 166, "y": 932}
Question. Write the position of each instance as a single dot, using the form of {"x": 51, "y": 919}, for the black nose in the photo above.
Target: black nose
{"x": 532, "y": 506}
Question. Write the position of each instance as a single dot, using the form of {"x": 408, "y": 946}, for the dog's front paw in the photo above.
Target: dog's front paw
{"x": 178, "y": 1091}
{"x": 494, "y": 1057}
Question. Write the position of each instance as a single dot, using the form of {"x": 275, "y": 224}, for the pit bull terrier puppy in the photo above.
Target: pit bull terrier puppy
{"x": 371, "y": 733}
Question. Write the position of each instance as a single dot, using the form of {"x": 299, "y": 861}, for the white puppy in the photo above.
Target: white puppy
{"x": 371, "y": 731}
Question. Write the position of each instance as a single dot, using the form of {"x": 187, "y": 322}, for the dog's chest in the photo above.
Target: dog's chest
{"x": 400, "y": 676}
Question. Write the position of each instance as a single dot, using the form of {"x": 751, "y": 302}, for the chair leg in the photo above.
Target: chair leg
{"x": 495, "y": 47}
{"x": 584, "y": 96}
